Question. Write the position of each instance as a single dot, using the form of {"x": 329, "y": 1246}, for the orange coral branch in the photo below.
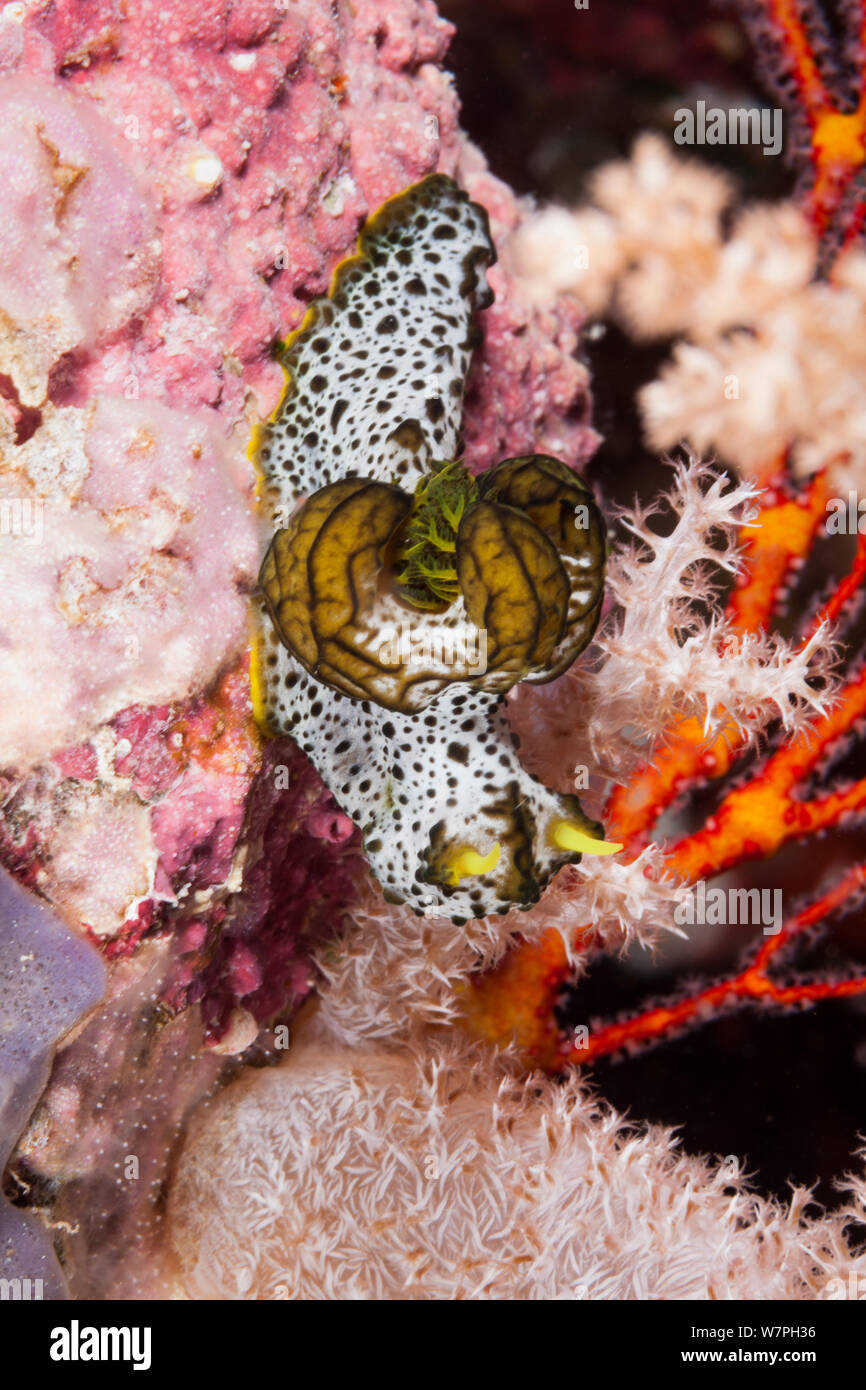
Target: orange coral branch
{"x": 780, "y": 536}
{"x": 752, "y": 984}
{"x": 515, "y": 1002}
{"x": 834, "y": 139}
{"x": 799, "y": 58}
{"x": 844, "y": 591}
{"x": 755, "y": 820}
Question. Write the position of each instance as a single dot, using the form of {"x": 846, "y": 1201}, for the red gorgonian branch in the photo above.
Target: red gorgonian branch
{"x": 821, "y": 84}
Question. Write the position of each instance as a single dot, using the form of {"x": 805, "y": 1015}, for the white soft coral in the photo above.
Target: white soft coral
{"x": 769, "y": 360}
{"x": 664, "y": 659}
{"x": 442, "y": 1172}
{"x": 791, "y": 377}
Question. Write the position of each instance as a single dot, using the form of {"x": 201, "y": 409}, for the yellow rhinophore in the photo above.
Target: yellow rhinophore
{"x": 466, "y": 862}
{"x": 565, "y": 835}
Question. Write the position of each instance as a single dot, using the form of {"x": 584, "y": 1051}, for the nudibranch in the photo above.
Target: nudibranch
{"x": 401, "y": 597}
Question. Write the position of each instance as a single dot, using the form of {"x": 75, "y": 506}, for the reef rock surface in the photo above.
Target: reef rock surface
{"x": 179, "y": 182}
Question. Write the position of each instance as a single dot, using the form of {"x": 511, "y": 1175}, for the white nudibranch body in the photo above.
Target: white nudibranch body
{"x": 393, "y": 531}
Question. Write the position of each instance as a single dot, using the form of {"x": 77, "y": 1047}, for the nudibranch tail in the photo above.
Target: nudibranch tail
{"x": 404, "y": 597}
{"x": 376, "y": 371}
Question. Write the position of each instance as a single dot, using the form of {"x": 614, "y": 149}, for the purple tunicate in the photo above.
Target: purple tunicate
{"x": 48, "y": 978}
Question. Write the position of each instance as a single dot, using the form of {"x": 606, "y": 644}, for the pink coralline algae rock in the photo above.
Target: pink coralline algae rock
{"x": 125, "y": 584}
{"x": 262, "y": 134}
{"x": 179, "y": 181}
{"x": 78, "y": 231}
{"x": 301, "y": 873}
